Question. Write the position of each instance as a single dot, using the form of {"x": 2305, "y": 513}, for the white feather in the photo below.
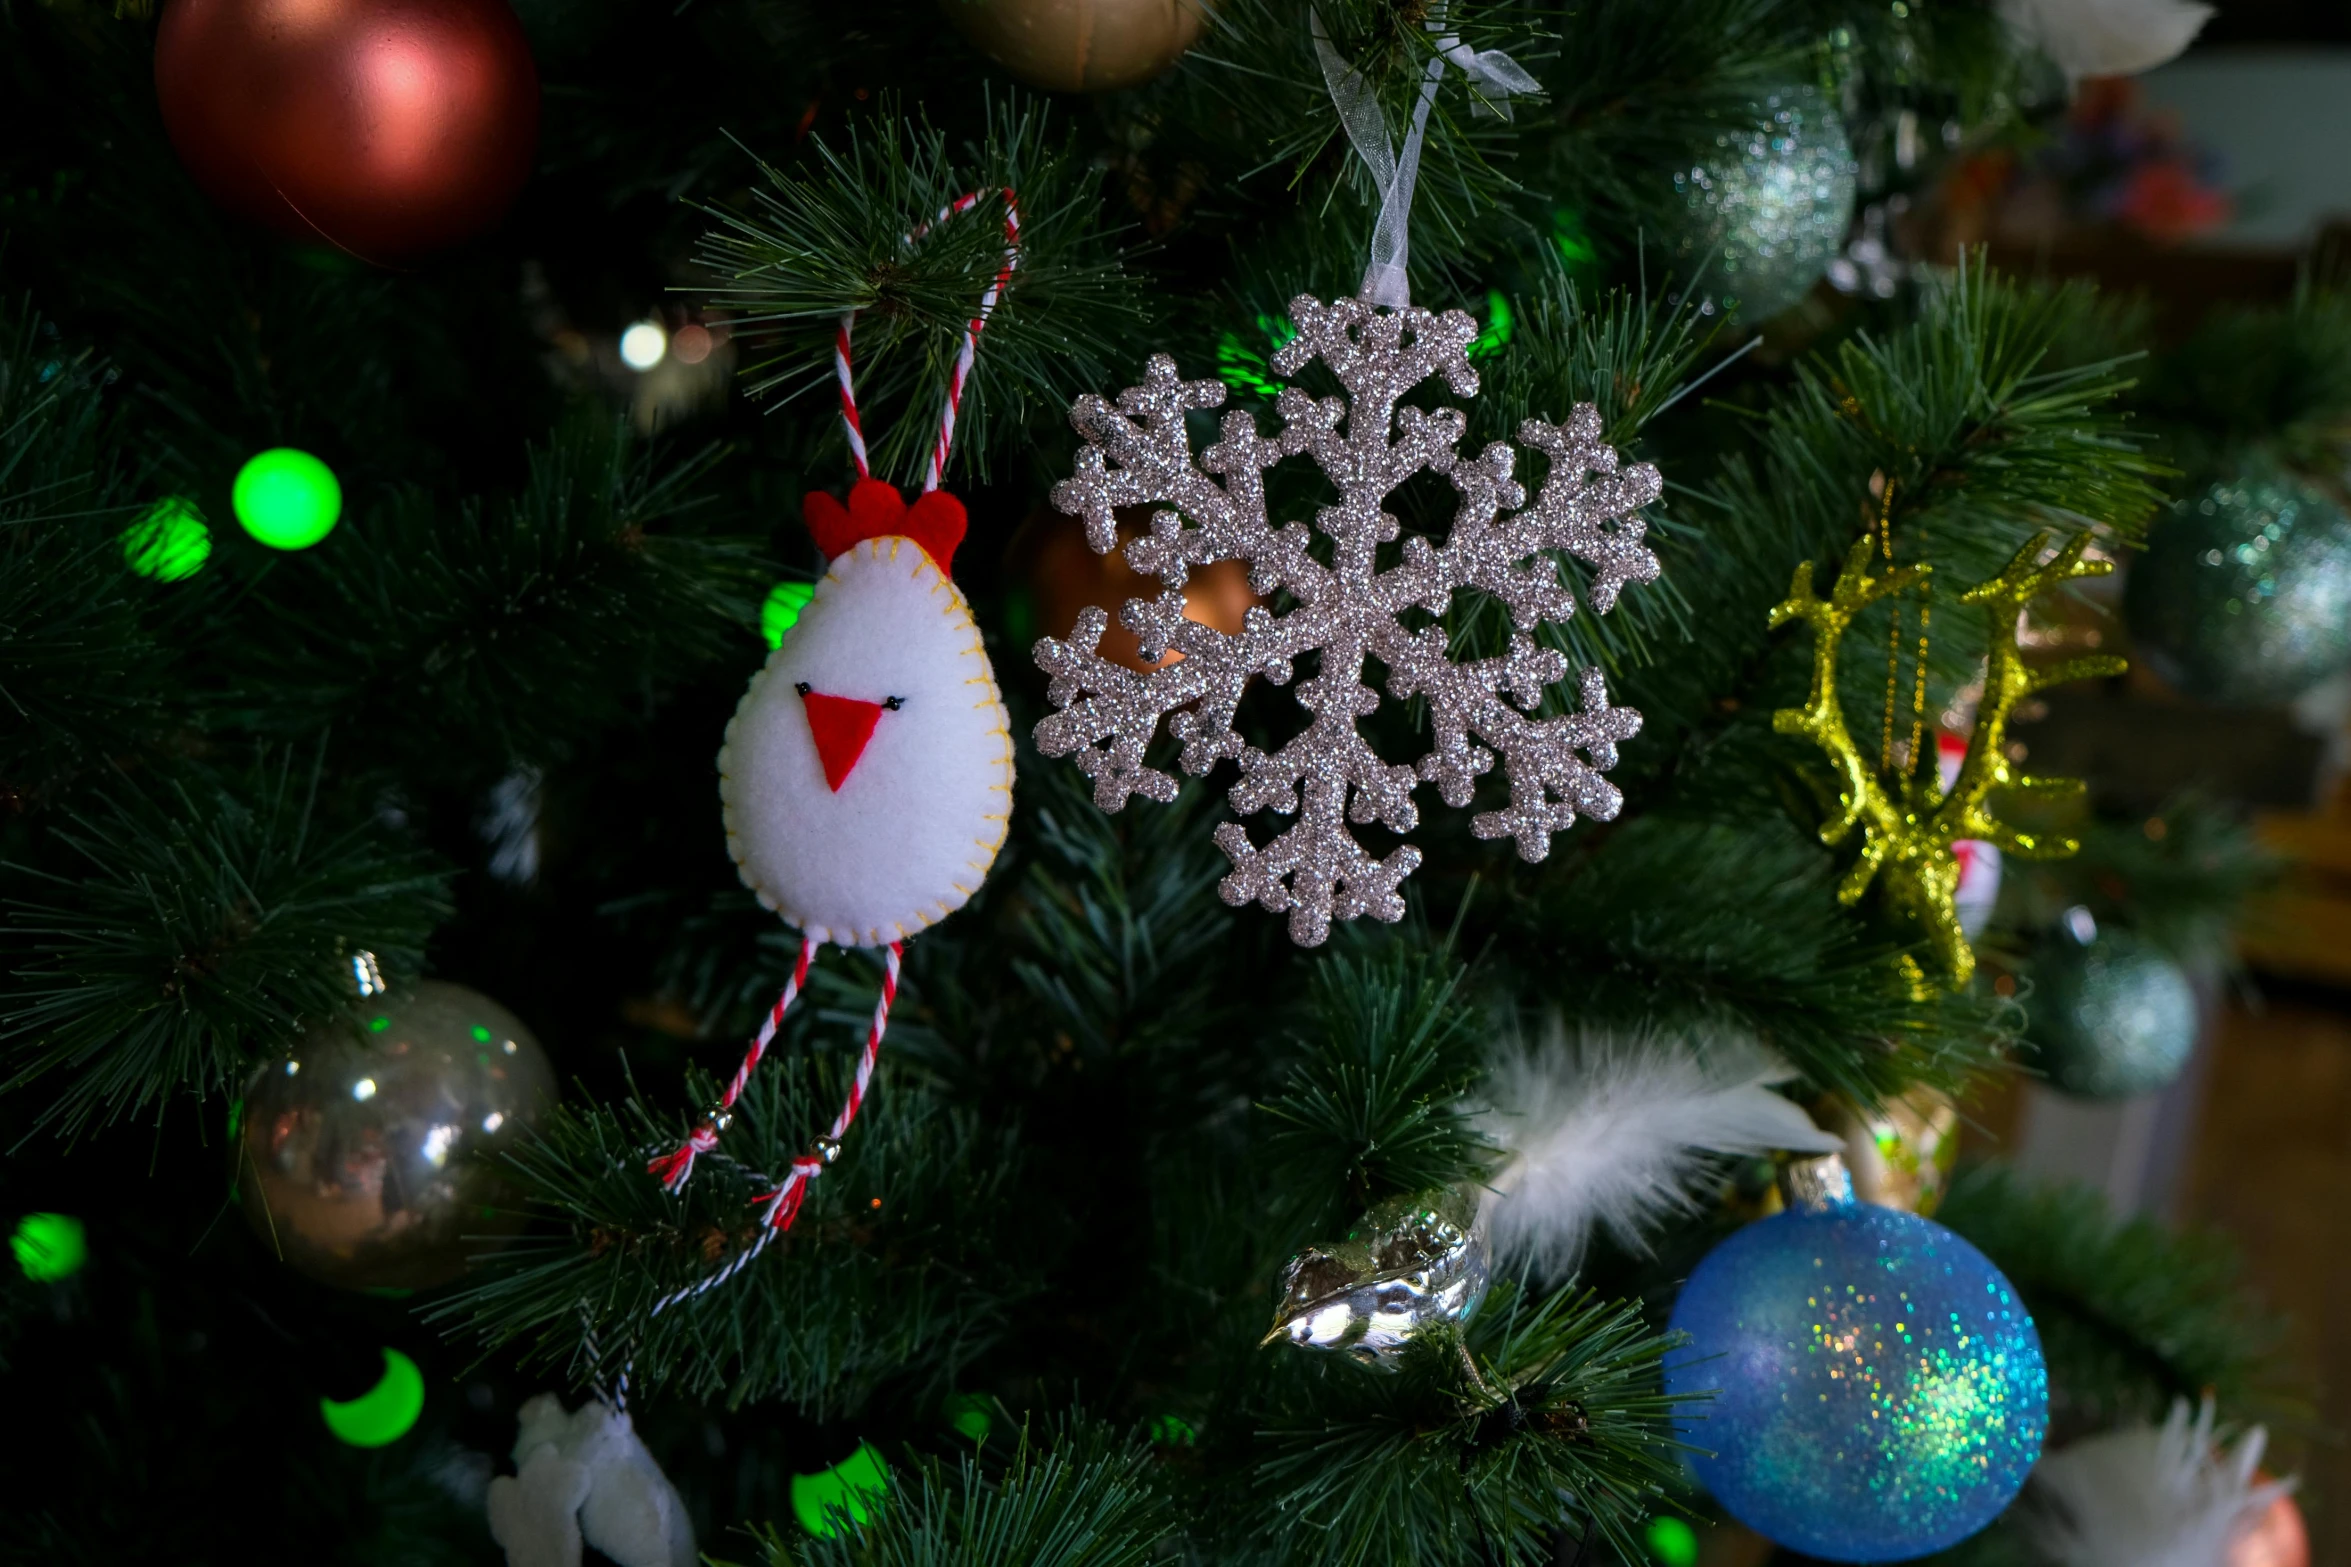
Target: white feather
{"x": 1616, "y": 1134}
{"x": 2149, "y": 1496}
{"x": 2106, "y": 37}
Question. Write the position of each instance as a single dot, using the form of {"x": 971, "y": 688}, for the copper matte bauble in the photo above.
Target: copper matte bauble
{"x": 2277, "y": 1539}
{"x": 364, "y": 1159}
{"x": 384, "y": 128}
{"x": 1080, "y": 45}
{"x": 1064, "y": 575}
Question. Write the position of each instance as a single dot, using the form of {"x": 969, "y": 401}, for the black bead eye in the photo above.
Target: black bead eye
{"x": 893, "y": 703}
{"x": 800, "y": 686}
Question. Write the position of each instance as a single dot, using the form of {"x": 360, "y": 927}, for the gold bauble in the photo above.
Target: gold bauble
{"x": 1901, "y": 1155}
{"x": 1064, "y": 575}
{"x": 364, "y": 1156}
{"x": 1080, "y": 45}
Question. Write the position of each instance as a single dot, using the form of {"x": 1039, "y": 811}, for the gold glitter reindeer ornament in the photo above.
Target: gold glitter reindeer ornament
{"x": 1909, "y": 824}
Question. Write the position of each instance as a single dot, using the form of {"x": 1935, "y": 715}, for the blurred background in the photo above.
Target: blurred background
{"x": 2220, "y": 180}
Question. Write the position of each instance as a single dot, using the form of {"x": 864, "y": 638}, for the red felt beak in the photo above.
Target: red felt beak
{"x": 841, "y": 726}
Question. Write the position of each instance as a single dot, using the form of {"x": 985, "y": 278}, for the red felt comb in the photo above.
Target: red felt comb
{"x": 876, "y": 511}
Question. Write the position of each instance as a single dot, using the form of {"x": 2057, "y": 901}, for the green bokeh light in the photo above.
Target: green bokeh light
{"x": 855, "y": 1486}
{"x": 1172, "y": 1431}
{"x": 1499, "y": 324}
{"x": 969, "y": 1414}
{"x": 384, "y": 1413}
{"x": 1575, "y": 245}
{"x": 782, "y": 610}
{"x": 1246, "y": 369}
{"x": 1673, "y": 1542}
{"x": 49, "y": 1246}
{"x": 170, "y": 542}
{"x": 289, "y": 500}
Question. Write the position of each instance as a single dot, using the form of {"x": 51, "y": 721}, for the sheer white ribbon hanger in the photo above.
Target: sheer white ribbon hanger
{"x": 1394, "y": 174}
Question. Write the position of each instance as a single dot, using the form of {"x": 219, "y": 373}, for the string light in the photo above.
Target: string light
{"x": 642, "y": 345}
{"x": 49, "y": 1246}
{"x": 287, "y": 499}
{"x": 170, "y": 542}
{"x": 782, "y": 610}
{"x": 384, "y": 1413}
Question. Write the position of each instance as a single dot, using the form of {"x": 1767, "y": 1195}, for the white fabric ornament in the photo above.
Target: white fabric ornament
{"x": 2150, "y": 1496}
{"x": 867, "y": 775}
{"x": 1503, "y": 541}
{"x": 584, "y": 1476}
{"x": 1617, "y": 1134}
{"x": 2106, "y": 37}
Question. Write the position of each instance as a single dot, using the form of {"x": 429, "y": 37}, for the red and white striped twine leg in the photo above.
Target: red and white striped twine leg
{"x": 783, "y": 1205}
{"x": 675, "y": 1166}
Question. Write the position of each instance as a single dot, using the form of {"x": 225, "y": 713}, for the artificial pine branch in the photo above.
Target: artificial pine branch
{"x": 2179, "y": 877}
{"x": 461, "y": 640}
{"x": 1076, "y": 1494}
{"x": 1372, "y": 1108}
{"x": 818, "y": 243}
{"x": 79, "y": 659}
{"x": 889, "y": 1272}
{"x": 2267, "y": 377}
{"x": 1735, "y": 924}
{"x": 189, "y": 930}
{"x": 1571, "y": 1428}
{"x": 1256, "y": 107}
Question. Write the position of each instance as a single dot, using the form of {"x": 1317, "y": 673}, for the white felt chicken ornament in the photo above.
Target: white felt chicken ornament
{"x": 866, "y": 779}
{"x": 867, "y": 776}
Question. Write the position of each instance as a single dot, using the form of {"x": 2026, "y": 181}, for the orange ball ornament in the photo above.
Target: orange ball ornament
{"x": 1064, "y": 575}
{"x": 385, "y": 128}
{"x": 1080, "y": 45}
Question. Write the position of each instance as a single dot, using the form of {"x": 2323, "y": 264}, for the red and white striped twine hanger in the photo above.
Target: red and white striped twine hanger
{"x": 964, "y": 355}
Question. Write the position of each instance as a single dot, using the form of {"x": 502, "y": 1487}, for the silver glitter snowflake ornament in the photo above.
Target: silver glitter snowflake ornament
{"x": 1348, "y": 611}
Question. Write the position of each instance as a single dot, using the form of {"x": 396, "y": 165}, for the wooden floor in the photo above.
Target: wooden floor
{"x": 2271, "y": 1168}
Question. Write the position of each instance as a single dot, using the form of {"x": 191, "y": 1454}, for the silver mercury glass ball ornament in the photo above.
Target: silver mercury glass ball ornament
{"x": 2111, "y": 1017}
{"x": 1764, "y": 210}
{"x": 1411, "y": 1264}
{"x": 2244, "y": 592}
{"x": 364, "y": 1157}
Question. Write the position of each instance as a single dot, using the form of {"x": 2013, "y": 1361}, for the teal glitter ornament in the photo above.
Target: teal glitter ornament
{"x": 2111, "y": 1016}
{"x": 1764, "y": 210}
{"x": 1878, "y": 1389}
{"x": 2244, "y": 592}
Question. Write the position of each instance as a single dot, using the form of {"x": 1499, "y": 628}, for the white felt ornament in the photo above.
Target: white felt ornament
{"x": 2150, "y": 1496}
{"x": 581, "y": 1476}
{"x": 1617, "y": 1134}
{"x": 2106, "y": 37}
{"x": 867, "y": 776}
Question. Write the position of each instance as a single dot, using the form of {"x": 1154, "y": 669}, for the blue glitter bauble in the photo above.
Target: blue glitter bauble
{"x": 2112, "y": 1018}
{"x": 1879, "y": 1392}
{"x": 2244, "y": 592}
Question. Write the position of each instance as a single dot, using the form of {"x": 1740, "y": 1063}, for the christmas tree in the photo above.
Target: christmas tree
{"x": 1329, "y": 935}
